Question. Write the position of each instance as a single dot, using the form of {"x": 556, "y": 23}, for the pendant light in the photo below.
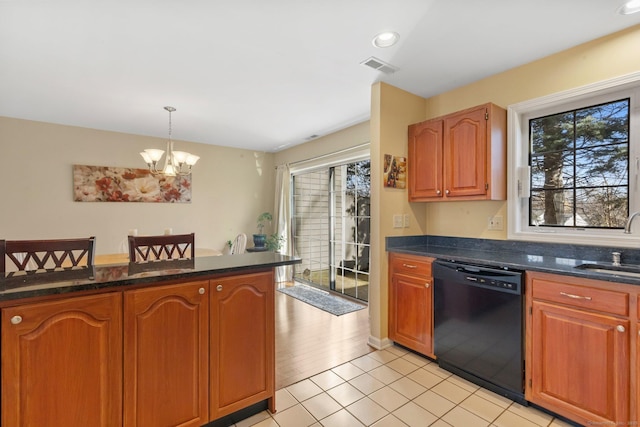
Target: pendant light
{"x": 175, "y": 162}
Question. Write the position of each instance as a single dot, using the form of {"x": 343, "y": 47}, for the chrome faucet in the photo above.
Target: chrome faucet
{"x": 627, "y": 227}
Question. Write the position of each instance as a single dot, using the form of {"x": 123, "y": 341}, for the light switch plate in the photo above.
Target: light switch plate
{"x": 397, "y": 221}
{"x": 406, "y": 220}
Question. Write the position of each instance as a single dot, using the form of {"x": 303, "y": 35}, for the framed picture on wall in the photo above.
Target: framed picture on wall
{"x": 112, "y": 184}
{"x": 395, "y": 171}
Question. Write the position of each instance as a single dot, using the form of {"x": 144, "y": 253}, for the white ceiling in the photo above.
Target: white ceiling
{"x": 263, "y": 74}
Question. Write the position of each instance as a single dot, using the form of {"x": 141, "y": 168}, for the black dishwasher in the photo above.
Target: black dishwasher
{"x": 478, "y": 325}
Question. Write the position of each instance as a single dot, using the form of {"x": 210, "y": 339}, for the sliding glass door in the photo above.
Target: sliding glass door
{"x": 331, "y": 209}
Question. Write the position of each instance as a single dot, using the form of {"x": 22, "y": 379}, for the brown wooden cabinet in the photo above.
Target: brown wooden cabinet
{"x": 242, "y": 343}
{"x": 461, "y": 156}
{"x": 411, "y": 302}
{"x": 425, "y": 160}
{"x": 62, "y": 363}
{"x": 166, "y": 355}
{"x": 578, "y": 348}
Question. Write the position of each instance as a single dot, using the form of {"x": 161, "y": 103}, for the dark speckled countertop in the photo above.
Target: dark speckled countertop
{"x": 15, "y": 286}
{"x": 519, "y": 255}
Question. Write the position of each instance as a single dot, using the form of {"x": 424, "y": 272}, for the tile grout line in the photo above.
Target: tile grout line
{"x": 387, "y": 385}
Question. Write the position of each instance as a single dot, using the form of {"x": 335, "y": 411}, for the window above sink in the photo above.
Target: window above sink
{"x": 574, "y": 159}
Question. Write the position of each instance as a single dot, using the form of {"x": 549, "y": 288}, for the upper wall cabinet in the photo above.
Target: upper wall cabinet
{"x": 461, "y": 156}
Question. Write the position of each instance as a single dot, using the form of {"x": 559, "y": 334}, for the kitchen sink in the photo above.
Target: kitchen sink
{"x": 617, "y": 270}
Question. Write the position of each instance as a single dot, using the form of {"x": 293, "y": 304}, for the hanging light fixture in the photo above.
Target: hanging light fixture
{"x": 175, "y": 162}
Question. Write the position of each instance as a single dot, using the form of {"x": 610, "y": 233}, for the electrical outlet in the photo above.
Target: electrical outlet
{"x": 397, "y": 221}
{"x": 495, "y": 222}
{"x": 406, "y": 220}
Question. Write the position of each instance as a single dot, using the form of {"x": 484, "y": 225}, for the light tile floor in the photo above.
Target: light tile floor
{"x": 394, "y": 388}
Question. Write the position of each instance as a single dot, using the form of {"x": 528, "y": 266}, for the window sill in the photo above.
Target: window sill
{"x": 578, "y": 237}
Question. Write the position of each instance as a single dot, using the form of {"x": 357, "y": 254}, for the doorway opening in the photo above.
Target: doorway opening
{"x": 331, "y": 211}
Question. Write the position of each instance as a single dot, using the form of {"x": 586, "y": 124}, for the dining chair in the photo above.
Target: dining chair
{"x": 239, "y": 245}
{"x": 153, "y": 248}
{"x": 27, "y": 255}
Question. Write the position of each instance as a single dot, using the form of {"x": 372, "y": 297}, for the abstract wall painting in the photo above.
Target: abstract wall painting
{"x": 113, "y": 184}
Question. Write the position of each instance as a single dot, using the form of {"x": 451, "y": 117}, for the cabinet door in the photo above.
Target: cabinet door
{"x": 465, "y": 153}
{"x": 580, "y": 364}
{"x": 425, "y": 161}
{"x": 242, "y": 342}
{"x": 166, "y": 345}
{"x": 411, "y": 312}
{"x": 62, "y": 363}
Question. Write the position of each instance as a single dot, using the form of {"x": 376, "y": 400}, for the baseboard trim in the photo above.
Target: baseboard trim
{"x": 379, "y": 344}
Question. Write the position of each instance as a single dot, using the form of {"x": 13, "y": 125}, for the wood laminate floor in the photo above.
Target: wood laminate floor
{"x": 310, "y": 341}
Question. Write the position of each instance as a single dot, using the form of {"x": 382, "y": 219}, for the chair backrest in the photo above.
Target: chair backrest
{"x": 46, "y": 254}
{"x": 239, "y": 245}
{"x": 153, "y": 248}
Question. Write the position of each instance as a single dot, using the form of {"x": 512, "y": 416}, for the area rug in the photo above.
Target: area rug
{"x": 322, "y": 300}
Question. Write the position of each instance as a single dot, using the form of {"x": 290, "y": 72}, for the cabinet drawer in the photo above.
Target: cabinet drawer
{"x": 411, "y": 265}
{"x": 582, "y": 296}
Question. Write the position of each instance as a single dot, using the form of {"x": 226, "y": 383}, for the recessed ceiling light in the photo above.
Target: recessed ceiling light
{"x": 630, "y": 7}
{"x": 386, "y": 39}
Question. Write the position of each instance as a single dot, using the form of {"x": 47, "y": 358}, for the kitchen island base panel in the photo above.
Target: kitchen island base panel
{"x": 92, "y": 310}
{"x": 242, "y": 414}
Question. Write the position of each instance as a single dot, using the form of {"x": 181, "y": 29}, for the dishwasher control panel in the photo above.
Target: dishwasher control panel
{"x": 493, "y": 282}
{"x": 489, "y": 277}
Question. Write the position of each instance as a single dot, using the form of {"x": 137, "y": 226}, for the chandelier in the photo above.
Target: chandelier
{"x": 175, "y": 162}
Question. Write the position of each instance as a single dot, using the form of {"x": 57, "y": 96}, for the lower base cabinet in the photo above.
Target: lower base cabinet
{"x": 242, "y": 343}
{"x": 164, "y": 355}
{"x": 62, "y": 363}
{"x": 411, "y": 302}
{"x": 578, "y": 355}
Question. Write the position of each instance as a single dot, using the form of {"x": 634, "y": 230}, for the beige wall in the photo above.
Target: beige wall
{"x": 392, "y": 110}
{"x": 349, "y": 137}
{"x": 231, "y": 187}
{"x": 601, "y": 59}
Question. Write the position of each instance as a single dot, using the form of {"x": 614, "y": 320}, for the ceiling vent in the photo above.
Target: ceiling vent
{"x": 379, "y": 65}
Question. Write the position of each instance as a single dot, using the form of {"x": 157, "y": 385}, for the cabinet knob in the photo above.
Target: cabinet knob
{"x": 426, "y": 285}
{"x": 438, "y": 192}
{"x": 201, "y": 291}
{"x": 446, "y": 191}
{"x": 15, "y": 320}
{"x": 620, "y": 328}
{"x": 219, "y": 288}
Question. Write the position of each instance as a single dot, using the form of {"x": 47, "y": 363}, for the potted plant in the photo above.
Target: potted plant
{"x": 274, "y": 242}
{"x": 260, "y": 239}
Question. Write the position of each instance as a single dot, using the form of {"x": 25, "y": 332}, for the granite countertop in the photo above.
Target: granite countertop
{"x": 519, "y": 255}
{"x": 20, "y": 285}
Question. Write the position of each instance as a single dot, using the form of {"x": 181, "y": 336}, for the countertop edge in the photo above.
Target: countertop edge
{"x": 515, "y": 261}
{"x": 102, "y": 278}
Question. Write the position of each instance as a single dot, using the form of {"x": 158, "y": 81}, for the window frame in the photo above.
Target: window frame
{"x": 518, "y": 172}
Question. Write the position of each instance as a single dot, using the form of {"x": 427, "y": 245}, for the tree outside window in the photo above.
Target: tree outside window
{"x": 580, "y": 167}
